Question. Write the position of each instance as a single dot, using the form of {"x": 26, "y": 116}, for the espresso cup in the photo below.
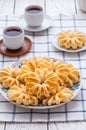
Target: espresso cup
{"x": 13, "y": 37}
{"x": 82, "y": 5}
{"x": 34, "y": 15}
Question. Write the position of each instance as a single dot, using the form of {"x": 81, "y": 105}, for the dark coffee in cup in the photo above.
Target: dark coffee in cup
{"x": 13, "y": 37}
{"x": 13, "y": 32}
{"x": 34, "y": 15}
{"x": 34, "y": 10}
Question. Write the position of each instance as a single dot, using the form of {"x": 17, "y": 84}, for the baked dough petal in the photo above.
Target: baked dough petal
{"x": 19, "y": 95}
{"x": 65, "y": 94}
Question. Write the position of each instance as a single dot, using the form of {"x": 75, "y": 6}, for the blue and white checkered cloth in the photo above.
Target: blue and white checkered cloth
{"x": 42, "y": 46}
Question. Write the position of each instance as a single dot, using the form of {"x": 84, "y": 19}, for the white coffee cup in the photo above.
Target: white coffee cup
{"x": 34, "y": 15}
{"x": 13, "y": 37}
{"x": 82, "y": 5}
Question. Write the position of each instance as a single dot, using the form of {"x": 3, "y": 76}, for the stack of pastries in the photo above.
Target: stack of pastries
{"x": 39, "y": 80}
{"x": 71, "y": 39}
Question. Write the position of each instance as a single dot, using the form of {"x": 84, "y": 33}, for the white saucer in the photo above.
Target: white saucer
{"x": 46, "y": 24}
{"x": 56, "y": 44}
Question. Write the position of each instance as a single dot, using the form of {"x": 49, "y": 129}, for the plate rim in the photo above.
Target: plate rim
{"x": 40, "y": 107}
{"x": 41, "y": 29}
{"x": 56, "y": 45}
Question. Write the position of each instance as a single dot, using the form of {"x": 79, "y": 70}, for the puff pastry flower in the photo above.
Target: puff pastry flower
{"x": 30, "y": 64}
{"x": 42, "y": 83}
{"x": 8, "y": 76}
{"x": 19, "y": 95}
{"x": 67, "y": 74}
{"x": 71, "y": 39}
{"x": 52, "y": 100}
{"x": 74, "y": 74}
{"x": 47, "y": 63}
{"x": 65, "y": 95}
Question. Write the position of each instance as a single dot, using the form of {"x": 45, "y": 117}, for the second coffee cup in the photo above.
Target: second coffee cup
{"x": 13, "y": 37}
{"x": 34, "y": 15}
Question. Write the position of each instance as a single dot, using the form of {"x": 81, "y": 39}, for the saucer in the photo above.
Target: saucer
{"x": 23, "y": 50}
{"x": 46, "y": 24}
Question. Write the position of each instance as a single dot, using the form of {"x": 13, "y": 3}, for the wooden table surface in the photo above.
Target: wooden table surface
{"x": 52, "y": 8}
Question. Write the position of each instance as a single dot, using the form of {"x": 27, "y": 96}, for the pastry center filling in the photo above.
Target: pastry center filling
{"x": 71, "y": 36}
{"x": 42, "y": 81}
{"x": 13, "y": 75}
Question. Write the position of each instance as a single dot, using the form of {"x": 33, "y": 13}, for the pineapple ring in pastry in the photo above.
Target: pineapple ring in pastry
{"x": 42, "y": 83}
{"x": 8, "y": 76}
{"x": 72, "y": 39}
{"x": 19, "y": 95}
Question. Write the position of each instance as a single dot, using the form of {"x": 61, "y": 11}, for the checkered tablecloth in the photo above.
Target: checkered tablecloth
{"x": 42, "y": 46}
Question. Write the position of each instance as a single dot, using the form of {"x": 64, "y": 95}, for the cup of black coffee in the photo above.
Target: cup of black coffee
{"x": 13, "y": 37}
{"x": 34, "y": 15}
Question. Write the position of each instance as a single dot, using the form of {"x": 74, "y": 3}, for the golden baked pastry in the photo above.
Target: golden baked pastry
{"x": 72, "y": 39}
{"x": 42, "y": 83}
{"x": 8, "y": 76}
{"x": 62, "y": 72}
{"x": 52, "y": 100}
{"x": 35, "y": 62}
{"x": 22, "y": 76}
{"x": 73, "y": 74}
{"x": 47, "y": 63}
{"x": 31, "y": 63}
{"x": 19, "y": 95}
{"x": 67, "y": 74}
{"x": 40, "y": 80}
{"x": 65, "y": 94}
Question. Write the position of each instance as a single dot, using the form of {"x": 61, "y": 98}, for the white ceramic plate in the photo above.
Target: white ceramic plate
{"x": 76, "y": 88}
{"x": 56, "y": 45}
{"x": 46, "y": 24}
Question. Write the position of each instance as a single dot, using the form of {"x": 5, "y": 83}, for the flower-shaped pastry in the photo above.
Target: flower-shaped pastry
{"x": 19, "y": 95}
{"x": 8, "y": 76}
{"x": 30, "y": 64}
{"x": 72, "y": 39}
{"x": 52, "y": 100}
{"x": 73, "y": 73}
{"x": 67, "y": 74}
{"x": 42, "y": 83}
{"x": 65, "y": 94}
